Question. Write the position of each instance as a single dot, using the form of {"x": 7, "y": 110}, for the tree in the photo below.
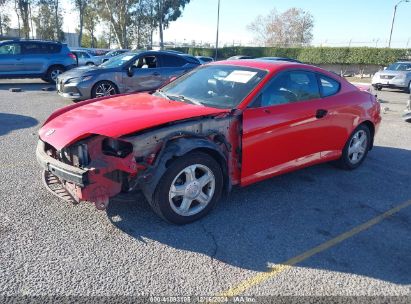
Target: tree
{"x": 168, "y": 11}
{"x": 91, "y": 20}
{"x": 48, "y": 20}
{"x": 144, "y": 23}
{"x": 81, "y": 6}
{"x": 4, "y": 18}
{"x": 118, "y": 13}
{"x": 23, "y": 12}
{"x": 291, "y": 28}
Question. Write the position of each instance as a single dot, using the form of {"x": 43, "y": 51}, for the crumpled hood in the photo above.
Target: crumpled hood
{"x": 117, "y": 116}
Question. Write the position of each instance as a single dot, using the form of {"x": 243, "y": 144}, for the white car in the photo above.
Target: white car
{"x": 85, "y": 58}
{"x": 396, "y": 76}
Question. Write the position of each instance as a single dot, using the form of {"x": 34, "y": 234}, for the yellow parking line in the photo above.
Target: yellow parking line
{"x": 275, "y": 270}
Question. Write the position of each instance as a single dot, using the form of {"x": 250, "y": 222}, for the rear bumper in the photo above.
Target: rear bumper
{"x": 61, "y": 170}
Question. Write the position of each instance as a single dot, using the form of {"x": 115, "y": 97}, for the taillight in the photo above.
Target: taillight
{"x": 72, "y": 56}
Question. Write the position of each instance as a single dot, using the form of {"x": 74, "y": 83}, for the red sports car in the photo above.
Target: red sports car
{"x": 223, "y": 124}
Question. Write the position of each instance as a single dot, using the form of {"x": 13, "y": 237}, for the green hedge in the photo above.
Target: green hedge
{"x": 313, "y": 55}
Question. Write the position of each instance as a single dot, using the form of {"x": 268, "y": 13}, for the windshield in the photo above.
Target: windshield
{"x": 400, "y": 66}
{"x": 118, "y": 61}
{"x": 218, "y": 86}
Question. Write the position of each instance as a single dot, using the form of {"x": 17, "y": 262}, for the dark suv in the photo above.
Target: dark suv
{"x": 35, "y": 59}
{"x": 130, "y": 72}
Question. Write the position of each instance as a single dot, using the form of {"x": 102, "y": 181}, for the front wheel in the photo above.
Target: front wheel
{"x": 103, "y": 89}
{"x": 189, "y": 189}
{"x": 356, "y": 148}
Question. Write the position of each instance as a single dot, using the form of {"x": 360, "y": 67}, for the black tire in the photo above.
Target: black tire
{"x": 52, "y": 71}
{"x": 94, "y": 90}
{"x": 90, "y": 64}
{"x": 161, "y": 201}
{"x": 408, "y": 90}
{"x": 345, "y": 162}
{"x": 379, "y": 88}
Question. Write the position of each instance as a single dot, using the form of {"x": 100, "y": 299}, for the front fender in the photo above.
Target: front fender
{"x": 176, "y": 148}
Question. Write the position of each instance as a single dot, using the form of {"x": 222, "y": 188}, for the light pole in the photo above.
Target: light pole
{"x": 393, "y": 19}
{"x": 218, "y": 28}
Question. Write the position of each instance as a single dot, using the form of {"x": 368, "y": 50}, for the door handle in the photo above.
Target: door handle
{"x": 321, "y": 113}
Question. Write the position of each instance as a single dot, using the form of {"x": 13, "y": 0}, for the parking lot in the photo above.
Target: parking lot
{"x": 257, "y": 242}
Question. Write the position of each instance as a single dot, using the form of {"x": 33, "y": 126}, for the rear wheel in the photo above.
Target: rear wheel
{"x": 103, "y": 89}
{"x": 53, "y": 72}
{"x": 89, "y": 63}
{"x": 189, "y": 189}
{"x": 356, "y": 148}
{"x": 408, "y": 90}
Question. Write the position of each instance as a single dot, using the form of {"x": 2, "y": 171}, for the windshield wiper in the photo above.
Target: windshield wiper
{"x": 184, "y": 99}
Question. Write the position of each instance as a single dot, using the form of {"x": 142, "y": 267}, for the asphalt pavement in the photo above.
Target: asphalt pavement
{"x": 51, "y": 248}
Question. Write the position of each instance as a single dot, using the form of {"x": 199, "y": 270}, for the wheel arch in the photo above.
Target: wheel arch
{"x": 371, "y": 127}
{"x": 177, "y": 148}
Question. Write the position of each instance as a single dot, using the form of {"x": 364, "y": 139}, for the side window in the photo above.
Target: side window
{"x": 32, "y": 48}
{"x": 83, "y": 55}
{"x": 52, "y": 48}
{"x": 146, "y": 62}
{"x": 329, "y": 86}
{"x": 10, "y": 49}
{"x": 289, "y": 87}
{"x": 173, "y": 61}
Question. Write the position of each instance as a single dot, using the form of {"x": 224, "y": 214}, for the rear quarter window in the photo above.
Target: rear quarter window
{"x": 328, "y": 86}
{"x": 173, "y": 61}
{"x": 53, "y": 48}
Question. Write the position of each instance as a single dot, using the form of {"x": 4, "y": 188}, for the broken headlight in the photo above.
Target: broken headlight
{"x": 116, "y": 148}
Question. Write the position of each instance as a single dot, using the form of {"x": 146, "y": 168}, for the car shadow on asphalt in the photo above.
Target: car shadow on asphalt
{"x": 27, "y": 86}
{"x": 275, "y": 220}
{"x": 10, "y": 122}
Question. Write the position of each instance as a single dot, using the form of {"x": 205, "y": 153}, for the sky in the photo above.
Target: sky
{"x": 337, "y": 22}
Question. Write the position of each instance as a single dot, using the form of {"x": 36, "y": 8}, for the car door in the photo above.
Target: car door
{"x": 286, "y": 127}
{"x": 143, "y": 74}
{"x": 35, "y": 57}
{"x": 11, "y": 59}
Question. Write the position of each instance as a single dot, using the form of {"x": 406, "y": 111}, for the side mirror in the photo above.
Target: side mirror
{"x": 130, "y": 70}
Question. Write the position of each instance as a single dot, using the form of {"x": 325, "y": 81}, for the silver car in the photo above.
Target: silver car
{"x": 85, "y": 58}
{"x": 396, "y": 76}
{"x": 112, "y": 54}
{"x": 130, "y": 72}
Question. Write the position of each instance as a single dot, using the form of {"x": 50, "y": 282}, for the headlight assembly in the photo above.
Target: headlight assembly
{"x": 116, "y": 148}
{"x": 79, "y": 79}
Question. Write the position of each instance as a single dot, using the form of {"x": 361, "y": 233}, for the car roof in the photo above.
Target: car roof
{"x": 33, "y": 40}
{"x": 188, "y": 57}
{"x": 273, "y": 66}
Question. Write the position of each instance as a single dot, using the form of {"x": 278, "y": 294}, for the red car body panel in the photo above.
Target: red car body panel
{"x": 255, "y": 143}
{"x": 118, "y": 116}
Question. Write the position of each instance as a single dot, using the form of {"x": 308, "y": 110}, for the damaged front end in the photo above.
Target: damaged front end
{"x": 98, "y": 168}
{"x": 93, "y": 169}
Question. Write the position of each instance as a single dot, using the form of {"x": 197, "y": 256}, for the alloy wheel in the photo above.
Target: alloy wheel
{"x": 105, "y": 89}
{"x": 192, "y": 190}
{"x": 54, "y": 74}
{"x": 358, "y": 147}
